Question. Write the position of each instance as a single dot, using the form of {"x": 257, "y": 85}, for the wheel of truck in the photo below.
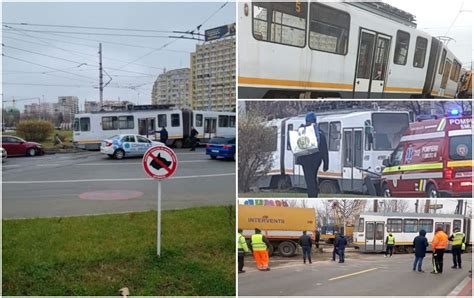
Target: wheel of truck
{"x": 386, "y": 191}
{"x": 287, "y": 249}
{"x": 328, "y": 187}
{"x": 432, "y": 192}
{"x": 178, "y": 144}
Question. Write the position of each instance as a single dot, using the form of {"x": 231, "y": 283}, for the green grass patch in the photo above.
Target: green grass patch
{"x": 98, "y": 255}
{"x": 64, "y": 135}
{"x": 296, "y": 195}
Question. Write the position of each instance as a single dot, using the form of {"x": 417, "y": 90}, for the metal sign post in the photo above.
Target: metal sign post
{"x": 159, "y": 162}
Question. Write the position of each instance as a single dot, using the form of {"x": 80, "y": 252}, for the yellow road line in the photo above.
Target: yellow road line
{"x": 352, "y": 274}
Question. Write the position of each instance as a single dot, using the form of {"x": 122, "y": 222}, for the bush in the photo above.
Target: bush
{"x": 34, "y": 130}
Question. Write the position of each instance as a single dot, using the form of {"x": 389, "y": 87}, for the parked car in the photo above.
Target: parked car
{"x": 4, "y": 154}
{"x": 16, "y": 146}
{"x": 123, "y": 145}
{"x": 221, "y": 147}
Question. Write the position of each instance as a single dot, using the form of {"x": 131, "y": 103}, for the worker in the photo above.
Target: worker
{"x": 438, "y": 245}
{"x": 242, "y": 249}
{"x": 318, "y": 237}
{"x": 420, "y": 243}
{"x": 457, "y": 240}
{"x": 340, "y": 242}
{"x": 260, "y": 246}
{"x": 390, "y": 241}
{"x": 306, "y": 244}
{"x": 312, "y": 162}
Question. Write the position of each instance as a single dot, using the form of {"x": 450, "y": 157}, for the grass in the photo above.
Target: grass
{"x": 296, "y": 195}
{"x": 48, "y": 144}
{"x": 98, "y": 255}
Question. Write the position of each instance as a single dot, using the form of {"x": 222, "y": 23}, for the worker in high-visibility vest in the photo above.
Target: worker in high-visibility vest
{"x": 390, "y": 242}
{"x": 457, "y": 239}
{"x": 438, "y": 246}
{"x": 242, "y": 249}
{"x": 260, "y": 246}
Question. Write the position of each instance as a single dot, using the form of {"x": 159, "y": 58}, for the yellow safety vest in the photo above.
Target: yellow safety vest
{"x": 242, "y": 244}
{"x": 457, "y": 238}
{"x": 257, "y": 243}
{"x": 391, "y": 240}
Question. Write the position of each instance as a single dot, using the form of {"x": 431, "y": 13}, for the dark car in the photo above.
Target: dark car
{"x": 16, "y": 146}
{"x": 221, "y": 147}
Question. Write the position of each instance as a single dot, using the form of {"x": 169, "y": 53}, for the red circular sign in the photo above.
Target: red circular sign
{"x": 160, "y": 162}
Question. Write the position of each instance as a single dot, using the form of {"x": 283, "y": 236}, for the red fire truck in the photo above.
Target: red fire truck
{"x": 433, "y": 159}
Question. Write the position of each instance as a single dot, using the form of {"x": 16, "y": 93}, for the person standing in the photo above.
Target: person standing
{"x": 390, "y": 241}
{"x": 306, "y": 243}
{"x": 420, "y": 243}
{"x": 260, "y": 246}
{"x": 312, "y": 162}
{"x": 334, "y": 250}
{"x": 457, "y": 239}
{"x": 316, "y": 240}
{"x": 438, "y": 245}
{"x": 340, "y": 243}
{"x": 193, "y": 136}
{"x": 163, "y": 135}
{"x": 242, "y": 249}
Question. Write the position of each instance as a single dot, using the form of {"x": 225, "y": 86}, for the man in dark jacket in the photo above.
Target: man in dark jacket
{"x": 334, "y": 250}
{"x": 193, "y": 136}
{"x": 163, "y": 135}
{"x": 340, "y": 242}
{"x": 312, "y": 162}
{"x": 420, "y": 243}
{"x": 306, "y": 243}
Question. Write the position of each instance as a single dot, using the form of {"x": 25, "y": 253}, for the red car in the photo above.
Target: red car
{"x": 16, "y": 146}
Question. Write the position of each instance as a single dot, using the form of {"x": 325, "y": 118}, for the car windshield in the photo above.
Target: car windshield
{"x": 222, "y": 140}
{"x": 460, "y": 147}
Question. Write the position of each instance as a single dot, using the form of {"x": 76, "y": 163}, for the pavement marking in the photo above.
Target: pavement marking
{"x": 462, "y": 288}
{"x": 48, "y": 165}
{"x": 352, "y": 274}
{"x": 11, "y": 166}
{"x": 131, "y": 163}
{"x": 115, "y": 180}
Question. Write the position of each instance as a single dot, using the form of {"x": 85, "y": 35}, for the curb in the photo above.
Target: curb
{"x": 464, "y": 288}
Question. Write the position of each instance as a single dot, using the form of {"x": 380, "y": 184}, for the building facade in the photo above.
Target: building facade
{"x": 213, "y": 70}
{"x": 172, "y": 87}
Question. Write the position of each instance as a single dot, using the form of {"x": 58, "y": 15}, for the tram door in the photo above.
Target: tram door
{"x": 210, "y": 126}
{"x": 146, "y": 126}
{"x": 352, "y": 159}
{"x": 444, "y": 79}
{"x": 372, "y": 64}
{"x": 374, "y": 236}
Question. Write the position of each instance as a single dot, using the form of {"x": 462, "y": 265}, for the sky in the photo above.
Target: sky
{"x": 78, "y": 58}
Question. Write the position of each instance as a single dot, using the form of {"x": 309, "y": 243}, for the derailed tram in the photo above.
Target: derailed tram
{"x": 339, "y": 49}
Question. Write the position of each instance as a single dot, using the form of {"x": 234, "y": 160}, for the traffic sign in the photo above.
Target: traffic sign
{"x": 159, "y": 162}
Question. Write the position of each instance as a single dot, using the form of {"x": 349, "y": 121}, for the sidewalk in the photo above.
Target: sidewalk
{"x": 463, "y": 289}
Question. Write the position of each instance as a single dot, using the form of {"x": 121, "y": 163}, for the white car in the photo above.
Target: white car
{"x": 120, "y": 146}
{"x": 4, "y": 154}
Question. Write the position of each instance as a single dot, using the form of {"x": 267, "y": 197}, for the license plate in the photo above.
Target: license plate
{"x": 215, "y": 151}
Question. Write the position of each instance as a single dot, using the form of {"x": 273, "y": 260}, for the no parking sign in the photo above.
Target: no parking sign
{"x": 159, "y": 162}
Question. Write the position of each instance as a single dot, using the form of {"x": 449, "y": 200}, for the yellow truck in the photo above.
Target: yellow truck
{"x": 282, "y": 226}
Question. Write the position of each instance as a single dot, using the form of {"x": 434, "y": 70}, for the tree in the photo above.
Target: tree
{"x": 10, "y": 117}
{"x": 256, "y": 142}
{"x": 400, "y": 206}
{"x": 346, "y": 210}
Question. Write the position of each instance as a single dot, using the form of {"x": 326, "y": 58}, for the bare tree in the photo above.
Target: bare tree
{"x": 400, "y": 206}
{"x": 346, "y": 210}
{"x": 256, "y": 141}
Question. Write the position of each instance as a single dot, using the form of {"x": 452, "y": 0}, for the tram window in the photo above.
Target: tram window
{"x": 455, "y": 72}
{"x": 369, "y": 231}
{"x": 420, "y": 52}
{"x": 223, "y": 121}
{"x": 126, "y": 122}
{"x": 109, "y": 123}
{"x": 231, "y": 121}
{"x": 457, "y": 224}
{"x": 329, "y": 29}
{"x": 441, "y": 63}
{"x": 287, "y": 21}
{"x": 410, "y": 226}
{"x": 446, "y": 226}
{"x": 198, "y": 120}
{"x": 365, "y": 55}
{"x": 361, "y": 225}
{"x": 175, "y": 120}
{"x": 76, "y": 124}
{"x": 427, "y": 225}
{"x": 401, "y": 48}
{"x": 162, "y": 121}
{"x": 368, "y": 134}
{"x": 394, "y": 225}
{"x": 85, "y": 124}
{"x": 334, "y": 136}
{"x": 288, "y": 129}
{"x": 396, "y": 156}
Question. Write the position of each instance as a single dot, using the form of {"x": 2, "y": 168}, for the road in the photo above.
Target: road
{"x": 67, "y": 184}
{"x": 367, "y": 275}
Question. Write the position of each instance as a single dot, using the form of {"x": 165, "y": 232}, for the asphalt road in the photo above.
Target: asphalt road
{"x": 60, "y": 184}
{"x": 366, "y": 275}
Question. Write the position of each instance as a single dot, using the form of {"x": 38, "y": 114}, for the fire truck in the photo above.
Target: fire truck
{"x": 433, "y": 159}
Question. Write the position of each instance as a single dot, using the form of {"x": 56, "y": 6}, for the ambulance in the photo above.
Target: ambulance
{"x": 433, "y": 159}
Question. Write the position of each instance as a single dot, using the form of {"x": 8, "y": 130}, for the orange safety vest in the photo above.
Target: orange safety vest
{"x": 440, "y": 240}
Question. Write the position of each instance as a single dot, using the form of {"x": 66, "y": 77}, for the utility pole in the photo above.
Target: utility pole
{"x": 101, "y": 82}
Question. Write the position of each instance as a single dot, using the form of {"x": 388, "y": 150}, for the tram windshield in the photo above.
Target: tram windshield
{"x": 388, "y": 128}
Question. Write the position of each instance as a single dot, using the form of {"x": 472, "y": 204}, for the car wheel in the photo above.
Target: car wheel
{"x": 386, "y": 191}
{"x": 432, "y": 192}
{"x": 119, "y": 154}
{"x": 178, "y": 144}
{"x": 31, "y": 152}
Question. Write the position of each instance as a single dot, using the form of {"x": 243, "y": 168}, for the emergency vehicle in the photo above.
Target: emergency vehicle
{"x": 433, "y": 159}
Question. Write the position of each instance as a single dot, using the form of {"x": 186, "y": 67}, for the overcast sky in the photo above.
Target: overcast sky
{"x": 81, "y": 77}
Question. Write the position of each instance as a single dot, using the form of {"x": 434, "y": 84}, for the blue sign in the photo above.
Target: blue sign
{"x": 220, "y": 32}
